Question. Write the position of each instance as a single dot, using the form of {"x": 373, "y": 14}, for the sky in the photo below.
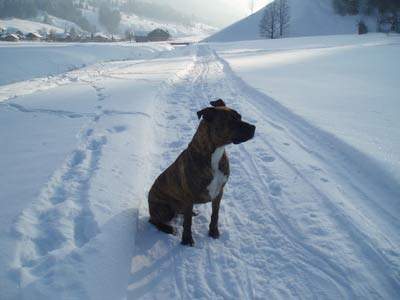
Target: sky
{"x": 217, "y": 12}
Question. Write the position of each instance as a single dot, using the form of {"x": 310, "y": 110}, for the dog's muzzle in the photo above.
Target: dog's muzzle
{"x": 244, "y": 132}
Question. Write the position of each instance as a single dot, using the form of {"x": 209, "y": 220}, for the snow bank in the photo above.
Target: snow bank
{"x": 25, "y": 61}
{"x": 308, "y": 18}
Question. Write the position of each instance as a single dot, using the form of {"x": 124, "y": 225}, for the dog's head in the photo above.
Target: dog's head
{"x": 226, "y": 125}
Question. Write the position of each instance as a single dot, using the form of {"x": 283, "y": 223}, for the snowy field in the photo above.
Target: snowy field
{"x": 28, "y": 60}
{"x": 311, "y": 209}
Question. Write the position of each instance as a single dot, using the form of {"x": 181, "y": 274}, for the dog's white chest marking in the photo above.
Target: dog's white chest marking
{"x": 219, "y": 178}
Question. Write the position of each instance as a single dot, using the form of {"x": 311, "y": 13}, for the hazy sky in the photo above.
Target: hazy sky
{"x": 219, "y": 12}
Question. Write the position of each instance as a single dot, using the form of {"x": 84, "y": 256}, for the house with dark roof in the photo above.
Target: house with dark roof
{"x": 33, "y": 36}
{"x": 11, "y": 38}
{"x": 158, "y": 35}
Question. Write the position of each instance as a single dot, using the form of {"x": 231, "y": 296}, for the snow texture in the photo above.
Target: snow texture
{"x": 311, "y": 209}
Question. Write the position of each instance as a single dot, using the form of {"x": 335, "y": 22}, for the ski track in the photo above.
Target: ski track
{"x": 283, "y": 234}
{"x": 61, "y": 220}
{"x": 283, "y": 245}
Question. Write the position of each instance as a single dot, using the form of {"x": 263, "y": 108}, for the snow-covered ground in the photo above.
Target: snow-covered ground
{"x": 307, "y": 18}
{"x": 28, "y": 60}
{"x": 310, "y": 211}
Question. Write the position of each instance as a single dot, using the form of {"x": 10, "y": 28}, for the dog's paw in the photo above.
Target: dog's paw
{"x": 187, "y": 241}
{"x": 214, "y": 233}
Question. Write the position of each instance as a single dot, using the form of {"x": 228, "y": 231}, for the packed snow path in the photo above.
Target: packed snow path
{"x": 300, "y": 218}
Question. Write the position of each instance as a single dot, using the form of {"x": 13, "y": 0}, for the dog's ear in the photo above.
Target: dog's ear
{"x": 207, "y": 114}
{"x": 218, "y": 103}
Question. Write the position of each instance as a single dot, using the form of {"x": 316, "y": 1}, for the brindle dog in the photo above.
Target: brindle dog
{"x": 200, "y": 172}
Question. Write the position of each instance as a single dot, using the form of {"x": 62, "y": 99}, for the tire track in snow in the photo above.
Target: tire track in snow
{"x": 275, "y": 242}
{"x": 367, "y": 253}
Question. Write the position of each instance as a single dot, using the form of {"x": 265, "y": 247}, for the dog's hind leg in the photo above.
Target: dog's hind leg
{"x": 160, "y": 214}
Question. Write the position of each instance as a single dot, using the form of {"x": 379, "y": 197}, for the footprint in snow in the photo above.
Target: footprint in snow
{"x": 267, "y": 158}
{"x": 96, "y": 144}
{"x": 60, "y": 195}
{"x": 89, "y": 132}
{"x": 275, "y": 188}
{"x": 117, "y": 129}
{"x": 177, "y": 144}
{"x": 77, "y": 158}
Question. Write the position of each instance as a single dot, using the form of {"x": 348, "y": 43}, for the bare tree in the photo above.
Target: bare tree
{"x": 283, "y": 16}
{"x": 275, "y": 20}
{"x": 269, "y": 21}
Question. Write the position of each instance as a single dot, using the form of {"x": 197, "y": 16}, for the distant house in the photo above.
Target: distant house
{"x": 20, "y": 34}
{"x": 33, "y": 36}
{"x": 101, "y": 38}
{"x": 158, "y": 35}
{"x": 62, "y": 37}
{"x": 11, "y": 38}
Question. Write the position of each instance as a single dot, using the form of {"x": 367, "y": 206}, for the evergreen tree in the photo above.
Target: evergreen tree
{"x": 109, "y": 18}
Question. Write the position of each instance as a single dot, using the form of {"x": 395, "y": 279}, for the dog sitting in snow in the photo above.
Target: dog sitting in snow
{"x": 200, "y": 172}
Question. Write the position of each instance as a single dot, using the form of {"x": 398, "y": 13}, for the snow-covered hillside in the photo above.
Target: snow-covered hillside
{"x": 138, "y": 25}
{"x": 14, "y": 24}
{"x": 311, "y": 210}
{"x": 307, "y": 18}
{"x": 141, "y": 26}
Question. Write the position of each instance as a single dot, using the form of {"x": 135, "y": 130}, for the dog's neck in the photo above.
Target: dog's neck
{"x": 202, "y": 144}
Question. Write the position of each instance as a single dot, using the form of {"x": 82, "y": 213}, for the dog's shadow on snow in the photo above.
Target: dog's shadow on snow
{"x": 158, "y": 257}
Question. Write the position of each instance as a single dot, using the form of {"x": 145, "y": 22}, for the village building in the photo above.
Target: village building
{"x": 101, "y": 38}
{"x": 11, "y": 38}
{"x": 33, "y": 36}
{"x": 20, "y": 34}
{"x": 158, "y": 35}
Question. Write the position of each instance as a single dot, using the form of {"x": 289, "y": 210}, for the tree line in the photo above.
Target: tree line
{"x": 275, "y": 20}
{"x": 386, "y": 11}
{"x": 65, "y": 9}
{"x": 365, "y": 7}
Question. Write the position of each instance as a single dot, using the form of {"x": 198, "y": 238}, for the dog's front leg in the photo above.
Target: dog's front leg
{"x": 187, "y": 238}
{"x": 213, "y": 230}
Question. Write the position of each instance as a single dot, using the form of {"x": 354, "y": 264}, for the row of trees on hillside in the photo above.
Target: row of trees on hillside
{"x": 387, "y": 11}
{"x": 110, "y": 18}
{"x": 365, "y": 7}
{"x": 275, "y": 20}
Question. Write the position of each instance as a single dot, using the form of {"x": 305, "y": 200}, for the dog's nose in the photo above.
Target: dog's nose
{"x": 252, "y": 130}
